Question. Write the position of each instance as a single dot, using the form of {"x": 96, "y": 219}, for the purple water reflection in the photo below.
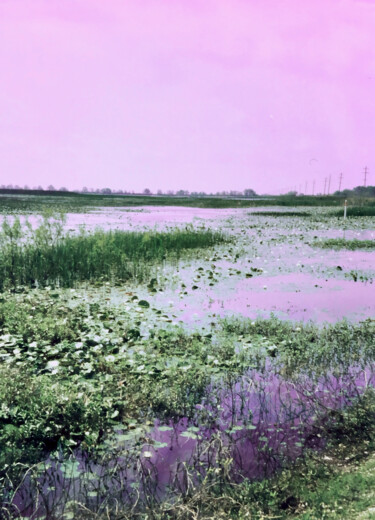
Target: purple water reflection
{"x": 251, "y": 427}
{"x": 299, "y": 297}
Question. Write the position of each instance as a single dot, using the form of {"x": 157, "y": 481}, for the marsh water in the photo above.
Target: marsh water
{"x": 261, "y": 420}
{"x": 271, "y": 268}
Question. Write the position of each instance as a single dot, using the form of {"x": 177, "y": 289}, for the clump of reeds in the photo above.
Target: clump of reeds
{"x": 47, "y": 255}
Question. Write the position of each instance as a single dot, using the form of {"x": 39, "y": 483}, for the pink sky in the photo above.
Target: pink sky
{"x": 187, "y": 94}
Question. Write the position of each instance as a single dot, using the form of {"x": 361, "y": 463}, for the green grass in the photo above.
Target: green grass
{"x": 47, "y": 256}
{"x": 342, "y": 243}
{"x": 355, "y": 211}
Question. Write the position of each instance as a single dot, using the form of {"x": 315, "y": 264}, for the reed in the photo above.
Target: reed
{"x": 48, "y": 256}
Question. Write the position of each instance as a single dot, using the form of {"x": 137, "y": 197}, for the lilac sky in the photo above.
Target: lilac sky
{"x": 187, "y": 94}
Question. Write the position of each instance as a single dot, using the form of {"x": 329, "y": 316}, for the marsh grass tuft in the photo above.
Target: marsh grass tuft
{"x": 48, "y": 256}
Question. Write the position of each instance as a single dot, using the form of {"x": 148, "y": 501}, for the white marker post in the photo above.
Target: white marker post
{"x": 345, "y": 206}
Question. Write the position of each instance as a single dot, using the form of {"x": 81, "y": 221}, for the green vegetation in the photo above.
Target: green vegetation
{"x": 355, "y": 211}
{"x": 342, "y": 243}
{"x": 27, "y": 203}
{"x": 89, "y": 366}
{"x": 335, "y": 485}
{"x": 78, "y": 372}
{"x": 282, "y": 213}
{"x": 306, "y": 347}
{"x": 47, "y": 256}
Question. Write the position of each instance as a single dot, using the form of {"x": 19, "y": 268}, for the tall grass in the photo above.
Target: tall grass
{"x": 47, "y": 255}
{"x": 356, "y": 211}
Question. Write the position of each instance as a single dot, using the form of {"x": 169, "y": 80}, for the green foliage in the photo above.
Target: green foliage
{"x": 342, "y": 243}
{"x": 355, "y": 211}
{"x": 71, "y": 371}
{"x": 282, "y": 213}
{"x": 305, "y": 346}
{"x": 47, "y": 256}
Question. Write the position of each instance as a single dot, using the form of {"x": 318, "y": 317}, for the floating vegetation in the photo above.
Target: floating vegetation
{"x": 131, "y": 418}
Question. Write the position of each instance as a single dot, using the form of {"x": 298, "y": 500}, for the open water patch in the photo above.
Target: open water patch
{"x": 249, "y": 428}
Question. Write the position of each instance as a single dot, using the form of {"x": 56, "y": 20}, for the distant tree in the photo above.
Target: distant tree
{"x": 182, "y": 193}
{"x": 159, "y": 192}
{"x": 51, "y": 188}
{"x": 85, "y": 189}
{"x": 292, "y": 194}
{"x": 249, "y": 193}
{"x": 146, "y": 191}
{"x": 39, "y": 188}
{"x": 26, "y": 187}
{"x": 106, "y": 191}
{"x": 63, "y": 188}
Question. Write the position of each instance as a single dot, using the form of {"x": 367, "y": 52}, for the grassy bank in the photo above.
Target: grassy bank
{"x": 48, "y": 256}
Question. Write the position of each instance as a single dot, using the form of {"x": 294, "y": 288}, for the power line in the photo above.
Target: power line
{"x": 340, "y": 181}
{"x": 365, "y": 176}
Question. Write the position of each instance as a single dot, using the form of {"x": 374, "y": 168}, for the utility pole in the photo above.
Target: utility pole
{"x": 325, "y": 185}
{"x": 313, "y": 189}
{"x": 365, "y": 176}
{"x": 329, "y": 184}
{"x": 306, "y": 188}
{"x": 340, "y": 181}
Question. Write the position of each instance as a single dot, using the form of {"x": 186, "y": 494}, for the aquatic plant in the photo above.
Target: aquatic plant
{"x": 48, "y": 256}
